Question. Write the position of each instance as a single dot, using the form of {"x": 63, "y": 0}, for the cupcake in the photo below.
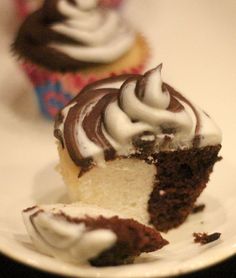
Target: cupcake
{"x": 66, "y": 45}
{"x": 135, "y": 144}
{"x": 81, "y": 234}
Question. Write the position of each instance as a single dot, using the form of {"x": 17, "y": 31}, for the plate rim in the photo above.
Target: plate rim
{"x": 177, "y": 273}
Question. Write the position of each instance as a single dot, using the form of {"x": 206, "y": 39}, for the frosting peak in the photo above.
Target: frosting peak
{"x": 145, "y": 101}
{"x": 152, "y": 81}
{"x": 121, "y": 115}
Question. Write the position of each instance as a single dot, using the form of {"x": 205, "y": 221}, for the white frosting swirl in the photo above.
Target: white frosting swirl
{"x": 101, "y": 34}
{"x": 151, "y": 113}
{"x": 147, "y": 108}
{"x": 55, "y": 236}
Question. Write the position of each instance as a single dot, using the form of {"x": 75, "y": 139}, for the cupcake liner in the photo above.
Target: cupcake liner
{"x": 24, "y": 7}
{"x": 21, "y": 7}
{"x": 111, "y": 3}
{"x": 54, "y": 90}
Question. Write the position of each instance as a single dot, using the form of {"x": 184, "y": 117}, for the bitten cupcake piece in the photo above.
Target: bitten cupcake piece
{"x": 135, "y": 144}
{"x": 82, "y": 234}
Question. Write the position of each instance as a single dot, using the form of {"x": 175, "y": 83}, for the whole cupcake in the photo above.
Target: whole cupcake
{"x": 67, "y": 44}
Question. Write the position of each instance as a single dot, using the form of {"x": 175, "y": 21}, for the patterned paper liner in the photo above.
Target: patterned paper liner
{"x": 55, "y": 90}
{"x": 24, "y": 8}
{"x": 111, "y": 3}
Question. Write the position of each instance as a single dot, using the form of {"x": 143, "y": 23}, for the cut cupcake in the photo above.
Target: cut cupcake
{"x": 66, "y": 45}
{"x": 134, "y": 144}
{"x": 83, "y": 234}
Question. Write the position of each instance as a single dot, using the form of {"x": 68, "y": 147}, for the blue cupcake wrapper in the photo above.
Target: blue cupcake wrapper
{"x": 52, "y": 98}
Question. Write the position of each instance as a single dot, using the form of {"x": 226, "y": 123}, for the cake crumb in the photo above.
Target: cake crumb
{"x": 162, "y": 192}
{"x": 198, "y": 208}
{"x": 150, "y": 158}
{"x": 204, "y": 238}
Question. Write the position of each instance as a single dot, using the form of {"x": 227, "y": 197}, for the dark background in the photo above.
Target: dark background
{"x": 9, "y": 269}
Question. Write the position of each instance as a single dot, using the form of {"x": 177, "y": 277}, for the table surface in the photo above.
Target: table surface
{"x": 9, "y": 268}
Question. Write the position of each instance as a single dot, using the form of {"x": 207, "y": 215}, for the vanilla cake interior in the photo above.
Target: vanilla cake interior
{"x": 130, "y": 180}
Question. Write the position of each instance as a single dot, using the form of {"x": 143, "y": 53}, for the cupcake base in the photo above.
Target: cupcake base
{"x": 162, "y": 194}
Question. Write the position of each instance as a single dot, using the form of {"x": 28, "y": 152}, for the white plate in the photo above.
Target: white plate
{"x": 196, "y": 41}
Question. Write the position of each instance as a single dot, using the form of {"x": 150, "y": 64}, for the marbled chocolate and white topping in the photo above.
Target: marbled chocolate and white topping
{"x": 59, "y": 231}
{"x": 69, "y": 35}
{"x": 121, "y": 116}
{"x": 100, "y": 35}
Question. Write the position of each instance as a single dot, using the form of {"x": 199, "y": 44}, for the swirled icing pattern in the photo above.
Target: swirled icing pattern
{"x": 128, "y": 115}
{"x": 53, "y": 234}
{"x": 99, "y": 35}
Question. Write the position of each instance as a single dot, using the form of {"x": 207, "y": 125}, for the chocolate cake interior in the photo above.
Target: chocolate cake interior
{"x": 132, "y": 240}
{"x": 182, "y": 175}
